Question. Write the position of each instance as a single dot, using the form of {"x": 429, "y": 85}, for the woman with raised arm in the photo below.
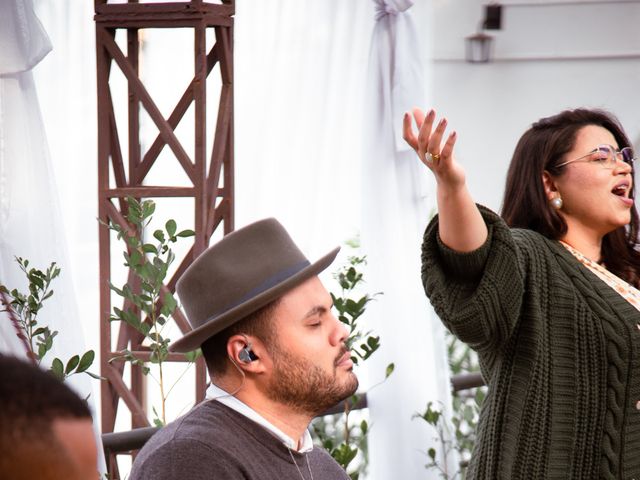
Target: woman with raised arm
{"x": 547, "y": 296}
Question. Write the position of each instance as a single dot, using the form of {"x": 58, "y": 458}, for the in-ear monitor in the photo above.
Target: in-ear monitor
{"x": 246, "y": 355}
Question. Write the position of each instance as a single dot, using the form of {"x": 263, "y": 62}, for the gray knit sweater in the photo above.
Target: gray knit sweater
{"x": 559, "y": 349}
{"x": 214, "y": 442}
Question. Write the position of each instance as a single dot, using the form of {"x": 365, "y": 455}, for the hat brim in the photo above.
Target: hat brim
{"x": 198, "y": 336}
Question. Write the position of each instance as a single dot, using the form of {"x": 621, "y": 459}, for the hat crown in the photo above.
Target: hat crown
{"x": 237, "y": 268}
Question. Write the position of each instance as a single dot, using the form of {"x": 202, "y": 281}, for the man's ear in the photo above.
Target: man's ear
{"x": 241, "y": 351}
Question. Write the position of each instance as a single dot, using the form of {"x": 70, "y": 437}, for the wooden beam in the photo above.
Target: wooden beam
{"x": 149, "y": 105}
{"x": 150, "y": 192}
{"x": 174, "y": 119}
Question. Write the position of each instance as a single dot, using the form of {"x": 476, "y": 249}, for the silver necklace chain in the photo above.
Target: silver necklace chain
{"x": 298, "y": 468}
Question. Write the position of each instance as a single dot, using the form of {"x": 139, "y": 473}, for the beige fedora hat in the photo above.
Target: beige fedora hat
{"x": 241, "y": 273}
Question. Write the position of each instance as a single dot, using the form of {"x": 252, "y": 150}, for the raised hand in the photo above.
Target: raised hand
{"x": 428, "y": 145}
{"x": 460, "y": 224}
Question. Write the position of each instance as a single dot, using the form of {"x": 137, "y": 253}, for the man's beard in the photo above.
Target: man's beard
{"x": 305, "y": 386}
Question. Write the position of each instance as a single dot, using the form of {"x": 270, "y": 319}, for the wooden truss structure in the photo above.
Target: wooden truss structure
{"x": 123, "y": 171}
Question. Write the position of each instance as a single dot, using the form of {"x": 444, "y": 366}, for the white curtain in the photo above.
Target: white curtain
{"x": 397, "y": 202}
{"x": 300, "y": 69}
{"x": 31, "y": 222}
{"x": 24, "y": 43}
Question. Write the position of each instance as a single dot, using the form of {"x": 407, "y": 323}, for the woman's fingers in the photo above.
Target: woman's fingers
{"x": 407, "y": 132}
{"x": 425, "y": 124}
{"x": 428, "y": 142}
{"x": 419, "y": 116}
{"x": 436, "y": 138}
{"x": 447, "y": 149}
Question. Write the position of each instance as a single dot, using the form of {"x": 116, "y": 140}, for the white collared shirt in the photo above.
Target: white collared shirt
{"x": 216, "y": 393}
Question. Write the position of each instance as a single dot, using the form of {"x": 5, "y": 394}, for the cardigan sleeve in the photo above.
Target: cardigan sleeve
{"x": 477, "y": 294}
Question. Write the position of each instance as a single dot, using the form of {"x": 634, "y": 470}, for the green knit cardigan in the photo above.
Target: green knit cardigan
{"x": 558, "y": 348}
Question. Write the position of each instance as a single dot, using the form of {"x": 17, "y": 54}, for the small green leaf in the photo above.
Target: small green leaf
{"x": 148, "y": 207}
{"x": 169, "y": 301}
{"x": 37, "y": 281}
{"x": 144, "y": 328}
{"x": 57, "y": 368}
{"x": 149, "y": 248}
{"x": 432, "y": 453}
{"x": 373, "y": 342}
{"x": 156, "y": 337}
{"x": 115, "y": 289}
{"x": 135, "y": 258}
{"x": 186, "y": 233}
{"x": 133, "y": 241}
{"x": 56, "y": 271}
{"x": 364, "y": 427}
{"x": 71, "y": 364}
{"x": 156, "y": 420}
{"x": 159, "y": 235}
{"x": 171, "y": 227}
{"x": 86, "y": 361}
{"x": 390, "y": 368}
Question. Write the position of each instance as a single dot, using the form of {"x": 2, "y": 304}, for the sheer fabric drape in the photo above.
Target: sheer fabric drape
{"x": 31, "y": 222}
{"x": 397, "y": 203}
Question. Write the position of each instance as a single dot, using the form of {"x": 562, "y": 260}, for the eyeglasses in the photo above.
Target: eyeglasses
{"x": 607, "y": 155}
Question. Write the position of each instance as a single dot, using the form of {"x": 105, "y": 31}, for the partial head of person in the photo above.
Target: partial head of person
{"x": 264, "y": 322}
{"x": 572, "y": 175}
{"x": 46, "y": 429}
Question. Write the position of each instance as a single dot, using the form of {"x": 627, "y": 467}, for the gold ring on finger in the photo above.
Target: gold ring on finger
{"x": 432, "y": 157}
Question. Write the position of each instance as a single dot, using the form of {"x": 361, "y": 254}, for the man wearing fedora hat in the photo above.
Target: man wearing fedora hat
{"x": 277, "y": 358}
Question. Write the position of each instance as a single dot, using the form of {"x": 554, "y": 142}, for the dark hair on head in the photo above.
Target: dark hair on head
{"x": 525, "y": 203}
{"x": 28, "y": 392}
{"x": 31, "y": 400}
{"x": 257, "y": 324}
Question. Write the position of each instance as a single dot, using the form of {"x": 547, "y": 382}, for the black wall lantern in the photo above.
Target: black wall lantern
{"x": 479, "y": 46}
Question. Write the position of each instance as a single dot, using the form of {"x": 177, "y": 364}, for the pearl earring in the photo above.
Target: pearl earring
{"x": 556, "y": 203}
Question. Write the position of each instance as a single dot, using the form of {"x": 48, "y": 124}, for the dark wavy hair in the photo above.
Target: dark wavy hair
{"x": 525, "y": 204}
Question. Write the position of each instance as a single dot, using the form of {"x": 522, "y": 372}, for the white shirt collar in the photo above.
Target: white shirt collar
{"x": 216, "y": 393}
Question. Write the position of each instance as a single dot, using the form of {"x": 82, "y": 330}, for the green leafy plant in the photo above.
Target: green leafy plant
{"x": 39, "y": 338}
{"x": 148, "y": 303}
{"x": 464, "y": 420}
{"x": 339, "y": 434}
{"x": 433, "y": 417}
